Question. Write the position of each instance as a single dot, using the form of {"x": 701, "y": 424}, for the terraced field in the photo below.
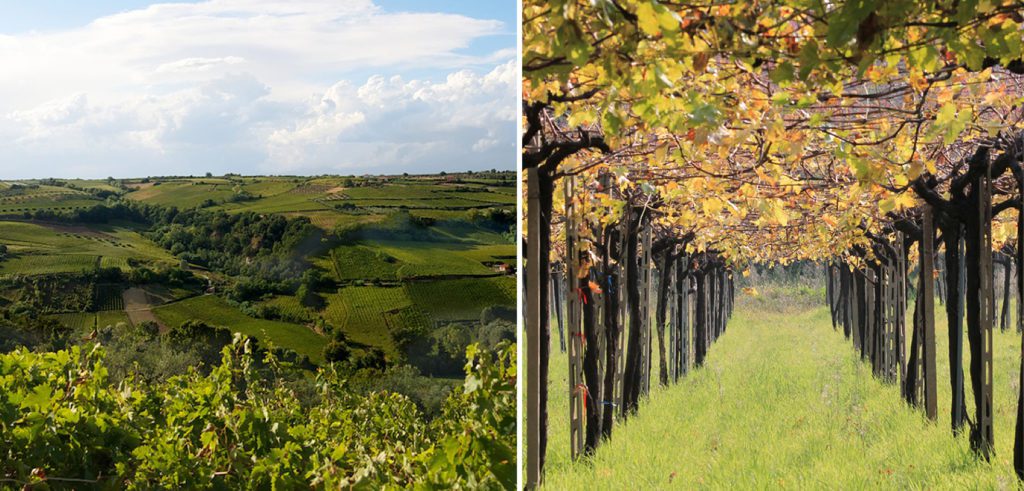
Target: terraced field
{"x": 216, "y": 311}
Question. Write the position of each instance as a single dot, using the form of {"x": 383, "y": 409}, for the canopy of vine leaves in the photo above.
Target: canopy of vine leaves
{"x": 781, "y": 129}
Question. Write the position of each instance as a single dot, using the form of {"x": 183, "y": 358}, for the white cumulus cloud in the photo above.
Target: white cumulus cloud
{"x": 257, "y": 86}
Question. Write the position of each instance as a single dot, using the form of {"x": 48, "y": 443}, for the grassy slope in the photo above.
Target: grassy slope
{"x": 365, "y": 313}
{"x": 40, "y": 248}
{"x": 43, "y": 198}
{"x": 214, "y": 310}
{"x": 784, "y": 402}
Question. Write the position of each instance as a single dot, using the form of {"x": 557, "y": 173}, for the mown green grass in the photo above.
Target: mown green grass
{"x": 216, "y": 311}
{"x": 784, "y": 402}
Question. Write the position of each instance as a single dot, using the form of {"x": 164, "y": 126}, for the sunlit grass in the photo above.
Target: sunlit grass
{"x": 784, "y": 402}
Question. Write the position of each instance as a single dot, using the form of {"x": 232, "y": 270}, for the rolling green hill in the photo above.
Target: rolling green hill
{"x": 44, "y": 248}
{"x": 216, "y": 311}
{"x": 397, "y": 253}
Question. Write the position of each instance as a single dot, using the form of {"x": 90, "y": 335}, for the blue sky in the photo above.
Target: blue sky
{"x": 128, "y": 87}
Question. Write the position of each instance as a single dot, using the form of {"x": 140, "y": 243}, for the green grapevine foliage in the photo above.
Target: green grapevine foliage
{"x": 64, "y": 424}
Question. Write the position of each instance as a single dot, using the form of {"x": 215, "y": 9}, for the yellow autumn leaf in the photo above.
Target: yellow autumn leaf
{"x": 712, "y": 206}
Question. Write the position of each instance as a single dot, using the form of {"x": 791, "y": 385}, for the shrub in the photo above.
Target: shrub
{"x": 337, "y": 351}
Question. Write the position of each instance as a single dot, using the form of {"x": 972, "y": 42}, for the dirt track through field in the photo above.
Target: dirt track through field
{"x": 139, "y": 308}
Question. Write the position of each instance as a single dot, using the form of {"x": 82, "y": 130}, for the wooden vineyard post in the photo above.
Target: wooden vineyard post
{"x": 894, "y": 356}
{"x": 577, "y": 386}
{"x": 699, "y": 321}
{"x": 652, "y": 317}
{"x": 959, "y": 418}
{"x": 719, "y": 302}
{"x": 556, "y": 298}
{"x": 686, "y": 305}
{"x": 672, "y": 324}
{"x": 927, "y": 294}
{"x": 985, "y": 307}
{"x": 708, "y": 322}
{"x": 829, "y": 294}
{"x": 705, "y": 313}
{"x": 845, "y": 297}
{"x": 869, "y": 317}
{"x": 901, "y": 305}
{"x": 857, "y": 308}
{"x": 1018, "y": 433}
{"x": 622, "y": 289}
{"x": 646, "y": 279}
{"x": 883, "y": 320}
{"x": 713, "y": 305}
{"x": 533, "y": 337}
{"x": 682, "y": 307}
{"x": 594, "y": 404}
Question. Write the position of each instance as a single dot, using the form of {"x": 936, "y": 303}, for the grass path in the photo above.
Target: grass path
{"x": 783, "y": 402}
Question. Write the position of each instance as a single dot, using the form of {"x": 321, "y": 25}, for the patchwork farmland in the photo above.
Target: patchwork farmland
{"x": 376, "y": 262}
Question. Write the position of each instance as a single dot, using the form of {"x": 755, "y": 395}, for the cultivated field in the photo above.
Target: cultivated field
{"x": 43, "y": 248}
{"x": 395, "y": 253}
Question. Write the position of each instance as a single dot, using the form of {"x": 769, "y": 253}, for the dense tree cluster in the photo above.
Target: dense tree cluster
{"x": 258, "y": 247}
